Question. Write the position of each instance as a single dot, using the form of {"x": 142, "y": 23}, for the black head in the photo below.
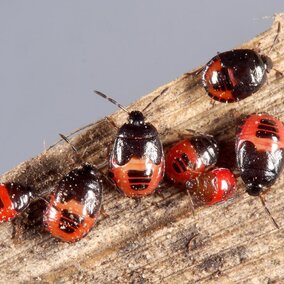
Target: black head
{"x": 257, "y": 180}
{"x": 136, "y": 118}
{"x": 254, "y": 189}
{"x": 89, "y": 169}
{"x": 268, "y": 64}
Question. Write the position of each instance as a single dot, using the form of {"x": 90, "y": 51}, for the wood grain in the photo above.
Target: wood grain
{"x": 158, "y": 240}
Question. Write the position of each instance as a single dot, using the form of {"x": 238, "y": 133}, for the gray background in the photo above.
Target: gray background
{"x": 53, "y": 54}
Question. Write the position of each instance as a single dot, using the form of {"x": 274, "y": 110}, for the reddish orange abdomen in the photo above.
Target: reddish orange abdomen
{"x": 139, "y": 177}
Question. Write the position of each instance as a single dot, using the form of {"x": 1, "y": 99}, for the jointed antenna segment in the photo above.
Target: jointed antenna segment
{"x": 111, "y": 100}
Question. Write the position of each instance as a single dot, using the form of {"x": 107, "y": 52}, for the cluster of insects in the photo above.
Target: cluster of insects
{"x": 137, "y": 163}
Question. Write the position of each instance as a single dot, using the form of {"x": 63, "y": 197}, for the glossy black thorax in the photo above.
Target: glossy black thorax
{"x": 207, "y": 149}
{"x": 259, "y": 169}
{"x": 248, "y": 69}
{"x": 20, "y": 195}
{"x": 139, "y": 139}
{"x": 83, "y": 185}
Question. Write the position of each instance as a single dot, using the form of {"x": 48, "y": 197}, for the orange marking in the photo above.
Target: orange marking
{"x": 7, "y": 212}
{"x": 212, "y": 72}
{"x": 53, "y": 221}
{"x": 121, "y": 177}
{"x": 248, "y": 133}
{"x": 176, "y": 151}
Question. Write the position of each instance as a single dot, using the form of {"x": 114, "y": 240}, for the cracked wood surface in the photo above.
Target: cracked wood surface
{"x": 158, "y": 240}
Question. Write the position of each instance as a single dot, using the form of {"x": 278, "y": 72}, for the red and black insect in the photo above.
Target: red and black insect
{"x": 234, "y": 75}
{"x": 136, "y": 163}
{"x": 74, "y": 206}
{"x": 188, "y": 158}
{"x": 260, "y": 151}
{"x": 14, "y": 199}
{"x": 213, "y": 186}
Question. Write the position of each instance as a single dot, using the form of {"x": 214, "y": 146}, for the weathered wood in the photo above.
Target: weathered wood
{"x": 158, "y": 240}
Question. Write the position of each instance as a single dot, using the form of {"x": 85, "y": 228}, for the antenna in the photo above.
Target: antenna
{"x": 268, "y": 212}
{"x": 68, "y": 141}
{"x": 188, "y": 186}
{"x": 111, "y": 100}
{"x": 154, "y": 99}
{"x": 276, "y": 37}
{"x": 78, "y": 158}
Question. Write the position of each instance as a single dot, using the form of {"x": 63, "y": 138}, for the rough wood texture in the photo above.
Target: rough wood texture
{"x": 158, "y": 240}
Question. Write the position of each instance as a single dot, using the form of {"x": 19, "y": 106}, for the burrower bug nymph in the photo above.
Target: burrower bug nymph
{"x": 136, "y": 163}
{"x": 260, "y": 151}
{"x": 234, "y": 75}
{"x": 190, "y": 157}
{"x": 14, "y": 199}
{"x": 213, "y": 186}
{"x": 74, "y": 206}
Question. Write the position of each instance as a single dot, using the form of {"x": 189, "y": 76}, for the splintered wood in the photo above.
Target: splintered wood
{"x": 158, "y": 240}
